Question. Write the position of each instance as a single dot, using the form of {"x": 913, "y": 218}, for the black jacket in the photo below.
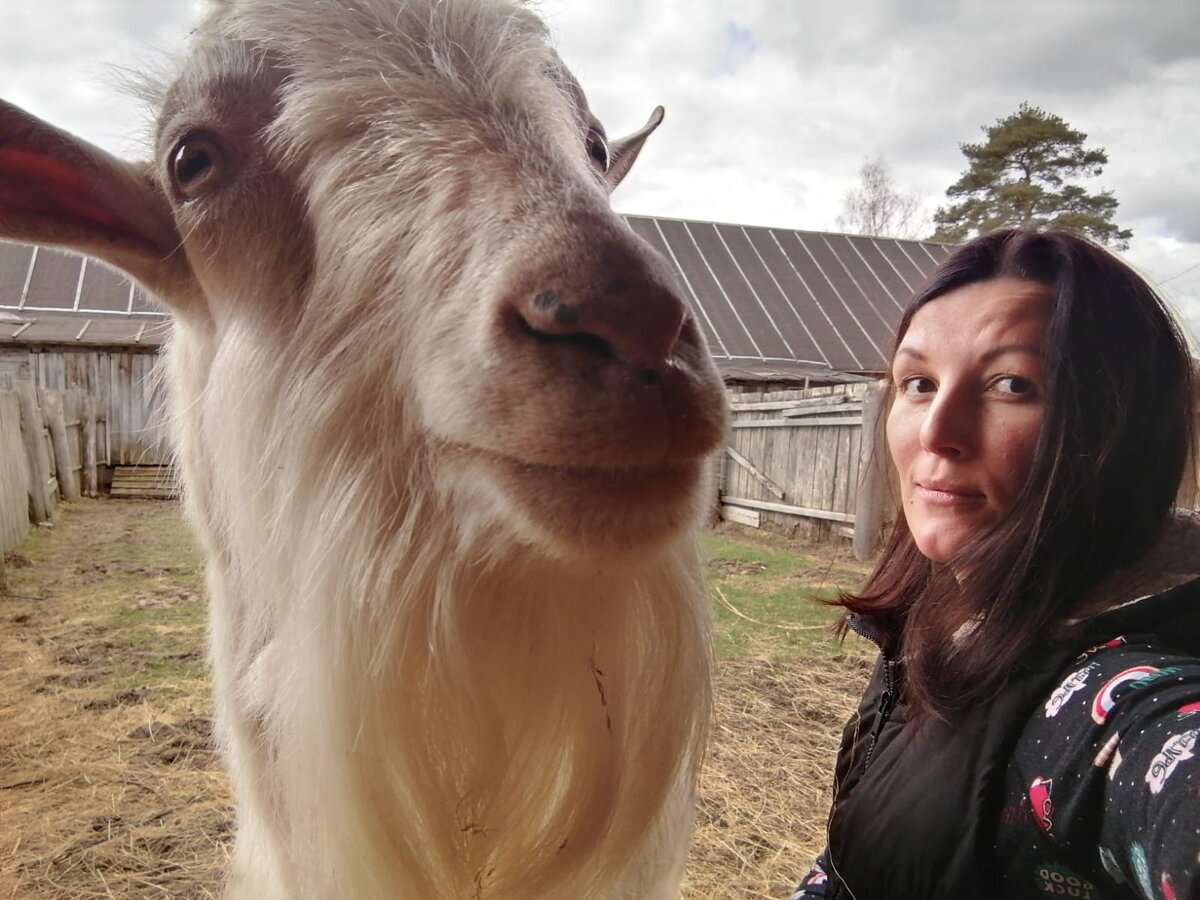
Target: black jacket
{"x": 959, "y": 811}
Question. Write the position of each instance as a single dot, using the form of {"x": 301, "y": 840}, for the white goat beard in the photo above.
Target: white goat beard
{"x": 430, "y": 706}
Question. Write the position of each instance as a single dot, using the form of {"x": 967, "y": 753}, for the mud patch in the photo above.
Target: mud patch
{"x": 736, "y": 567}
{"x": 125, "y": 698}
{"x": 187, "y": 744}
{"x": 164, "y": 597}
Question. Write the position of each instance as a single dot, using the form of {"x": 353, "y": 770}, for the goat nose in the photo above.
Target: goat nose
{"x": 617, "y": 308}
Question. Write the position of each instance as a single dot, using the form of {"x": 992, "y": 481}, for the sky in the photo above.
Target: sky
{"x": 773, "y": 105}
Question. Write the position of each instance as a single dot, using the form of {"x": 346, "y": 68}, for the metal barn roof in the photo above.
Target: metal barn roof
{"x": 773, "y": 303}
{"x": 49, "y": 296}
{"x": 774, "y": 300}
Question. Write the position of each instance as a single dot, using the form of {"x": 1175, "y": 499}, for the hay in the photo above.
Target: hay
{"x": 109, "y": 787}
{"x": 765, "y": 789}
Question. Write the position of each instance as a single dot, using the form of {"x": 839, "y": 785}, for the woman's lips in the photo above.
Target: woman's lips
{"x": 947, "y": 494}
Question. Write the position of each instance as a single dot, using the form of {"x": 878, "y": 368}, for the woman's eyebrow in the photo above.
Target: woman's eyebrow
{"x": 1030, "y": 349}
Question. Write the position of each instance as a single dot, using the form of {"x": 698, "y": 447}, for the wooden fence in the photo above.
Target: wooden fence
{"x": 47, "y": 441}
{"x": 126, "y": 393}
{"x": 803, "y": 461}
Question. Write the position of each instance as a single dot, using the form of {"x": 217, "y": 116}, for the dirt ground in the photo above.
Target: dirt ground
{"x": 109, "y": 787}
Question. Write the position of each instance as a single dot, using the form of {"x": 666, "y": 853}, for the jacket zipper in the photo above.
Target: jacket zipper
{"x": 887, "y": 703}
{"x": 887, "y": 700}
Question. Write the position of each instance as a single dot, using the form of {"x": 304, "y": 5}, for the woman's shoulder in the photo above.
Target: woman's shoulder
{"x": 1100, "y": 781}
{"x": 1115, "y": 670}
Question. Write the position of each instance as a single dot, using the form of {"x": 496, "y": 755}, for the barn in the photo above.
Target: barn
{"x": 798, "y": 322}
{"x": 784, "y": 308}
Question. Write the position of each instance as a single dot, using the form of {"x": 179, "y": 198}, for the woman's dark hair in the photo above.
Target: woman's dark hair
{"x": 1115, "y": 439}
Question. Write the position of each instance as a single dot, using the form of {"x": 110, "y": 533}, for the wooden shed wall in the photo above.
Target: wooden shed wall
{"x": 128, "y": 395}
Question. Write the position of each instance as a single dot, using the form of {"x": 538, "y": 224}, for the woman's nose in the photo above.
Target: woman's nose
{"x": 948, "y": 427}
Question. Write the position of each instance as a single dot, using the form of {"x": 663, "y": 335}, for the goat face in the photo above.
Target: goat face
{"x": 440, "y": 228}
{"x": 412, "y": 210}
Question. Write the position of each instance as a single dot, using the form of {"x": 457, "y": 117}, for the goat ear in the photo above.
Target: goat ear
{"x": 57, "y": 189}
{"x": 624, "y": 151}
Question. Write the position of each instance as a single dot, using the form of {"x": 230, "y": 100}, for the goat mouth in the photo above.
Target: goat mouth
{"x": 633, "y": 487}
{"x": 597, "y": 476}
{"x": 632, "y": 511}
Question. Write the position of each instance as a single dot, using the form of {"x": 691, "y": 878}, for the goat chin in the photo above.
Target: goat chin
{"x": 584, "y": 516}
{"x": 447, "y": 711}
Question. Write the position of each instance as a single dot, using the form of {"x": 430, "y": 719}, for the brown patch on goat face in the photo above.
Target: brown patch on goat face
{"x": 228, "y": 98}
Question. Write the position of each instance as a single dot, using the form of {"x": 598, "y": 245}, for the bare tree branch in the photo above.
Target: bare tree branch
{"x": 877, "y": 208}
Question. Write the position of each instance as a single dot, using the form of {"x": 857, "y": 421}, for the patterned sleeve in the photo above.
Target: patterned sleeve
{"x": 1102, "y": 792}
{"x": 812, "y": 887}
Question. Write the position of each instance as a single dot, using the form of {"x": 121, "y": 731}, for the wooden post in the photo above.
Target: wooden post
{"x": 68, "y": 486}
{"x": 88, "y": 474}
{"x": 872, "y": 483}
{"x": 40, "y": 502}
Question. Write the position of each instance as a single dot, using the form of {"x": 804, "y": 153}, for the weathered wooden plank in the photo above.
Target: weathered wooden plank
{"x": 804, "y": 512}
{"x": 88, "y": 476}
{"x": 855, "y": 468}
{"x": 847, "y": 421}
{"x": 41, "y": 501}
{"x": 817, "y": 404}
{"x": 827, "y": 441}
{"x": 749, "y": 517}
{"x": 68, "y": 486}
{"x": 869, "y": 505}
{"x": 14, "y": 473}
{"x": 104, "y": 409}
{"x": 841, "y": 408}
{"x": 72, "y": 405}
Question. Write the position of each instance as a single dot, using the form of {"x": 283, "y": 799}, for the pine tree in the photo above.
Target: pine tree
{"x": 1020, "y": 177}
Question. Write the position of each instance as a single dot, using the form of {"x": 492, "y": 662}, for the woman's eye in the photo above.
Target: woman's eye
{"x": 916, "y": 384}
{"x": 597, "y": 148}
{"x": 1014, "y": 384}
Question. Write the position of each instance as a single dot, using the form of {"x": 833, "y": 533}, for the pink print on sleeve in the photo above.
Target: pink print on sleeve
{"x": 1039, "y": 801}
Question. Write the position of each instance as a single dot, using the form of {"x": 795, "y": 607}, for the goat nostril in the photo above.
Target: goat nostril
{"x": 566, "y": 315}
{"x": 545, "y": 300}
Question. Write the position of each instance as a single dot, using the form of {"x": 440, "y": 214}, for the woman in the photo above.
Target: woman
{"x": 1029, "y": 731}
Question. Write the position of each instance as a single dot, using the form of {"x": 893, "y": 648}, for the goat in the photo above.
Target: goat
{"x": 442, "y": 422}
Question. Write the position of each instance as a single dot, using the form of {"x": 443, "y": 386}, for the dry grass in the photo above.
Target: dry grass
{"x": 109, "y": 788}
{"x": 765, "y": 788}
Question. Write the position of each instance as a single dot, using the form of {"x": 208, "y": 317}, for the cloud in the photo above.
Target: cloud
{"x": 772, "y": 107}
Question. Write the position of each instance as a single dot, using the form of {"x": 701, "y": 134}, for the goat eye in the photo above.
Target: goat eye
{"x": 597, "y": 148}
{"x": 196, "y": 163}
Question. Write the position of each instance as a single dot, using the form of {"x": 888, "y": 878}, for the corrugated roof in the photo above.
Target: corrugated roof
{"x": 778, "y": 300}
{"x": 49, "y": 296}
{"x": 771, "y": 301}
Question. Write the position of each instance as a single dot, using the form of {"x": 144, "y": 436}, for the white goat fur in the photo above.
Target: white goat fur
{"x": 459, "y": 631}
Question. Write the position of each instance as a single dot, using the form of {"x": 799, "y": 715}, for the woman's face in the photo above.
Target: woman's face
{"x": 970, "y": 387}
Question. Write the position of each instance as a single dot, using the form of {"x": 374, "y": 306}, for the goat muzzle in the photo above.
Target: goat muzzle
{"x": 612, "y": 305}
